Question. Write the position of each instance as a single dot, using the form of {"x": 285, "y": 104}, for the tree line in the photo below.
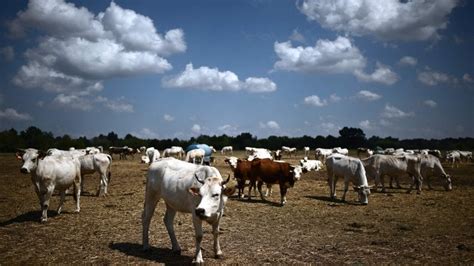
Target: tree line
{"x": 349, "y": 137}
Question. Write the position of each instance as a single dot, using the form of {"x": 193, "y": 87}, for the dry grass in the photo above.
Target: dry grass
{"x": 436, "y": 227}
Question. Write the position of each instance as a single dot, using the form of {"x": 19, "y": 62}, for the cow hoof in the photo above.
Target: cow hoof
{"x": 77, "y": 210}
{"x": 218, "y": 256}
{"x": 43, "y": 219}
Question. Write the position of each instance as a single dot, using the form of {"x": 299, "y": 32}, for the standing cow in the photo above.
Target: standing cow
{"x": 49, "y": 173}
{"x": 187, "y": 188}
{"x": 99, "y": 163}
{"x": 352, "y": 170}
{"x": 270, "y": 172}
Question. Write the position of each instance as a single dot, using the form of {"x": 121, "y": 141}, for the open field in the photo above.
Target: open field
{"x": 436, "y": 227}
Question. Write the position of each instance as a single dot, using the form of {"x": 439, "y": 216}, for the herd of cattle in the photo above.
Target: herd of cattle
{"x": 186, "y": 185}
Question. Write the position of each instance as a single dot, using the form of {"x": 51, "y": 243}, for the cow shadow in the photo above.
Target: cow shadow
{"x": 31, "y": 216}
{"x": 160, "y": 255}
{"x": 331, "y": 200}
{"x": 259, "y": 200}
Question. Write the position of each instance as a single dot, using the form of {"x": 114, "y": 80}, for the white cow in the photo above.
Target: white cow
{"x": 260, "y": 153}
{"x": 70, "y": 153}
{"x": 288, "y": 150}
{"x": 306, "y": 151}
{"x": 195, "y": 155}
{"x": 364, "y": 152}
{"x": 378, "y": 166}
{"x": 321, "y": 154}
{"x": 187, "y": 188}
{"x": 145, "y": 159}
{"x": 309, "y": 165}
{"x": 340, "y": 150}
{"x": 174, "y": 151}
{"x": 466, "y": 155}
{"x": 49, "y": 173}
{"x": 92, "y": 150}
{"x": 99, "y": 163}
{"x": 249, "y": 150}
{"x": 454, "y": 157}
{"x": 431, "y": 166}
{"x": 153, "y": 154}
{"x": 227, "y": 149}
{"x": 352, "y": 170}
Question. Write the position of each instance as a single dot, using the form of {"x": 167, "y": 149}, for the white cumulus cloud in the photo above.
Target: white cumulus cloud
{"x": 430, "y": 103}
{"x": 368, "y": 95}
{"x": 386, "y": 20}
{"x": 14, "y": 115}
{"x": 408, "y": 61}
{"x": 315, "y": 101}
{"x": 433, "y": 78}
{"x": 297, "y": 36}
{"x": 365, "y": 124}
{"x": 196, "y": 128}
{"x": 382, "y": 74}
{"x": 391, "y": 111}
{"x": 212, "y": 79}
{"x": 168, "y": 117}
{"x": 270, "y": 124}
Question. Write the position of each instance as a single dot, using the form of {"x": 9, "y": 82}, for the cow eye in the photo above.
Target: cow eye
{"x": 215, "y": 195}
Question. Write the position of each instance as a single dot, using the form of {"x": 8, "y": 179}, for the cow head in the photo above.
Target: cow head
{"x": 30, "y": 158}
{"x": 363, "y": 194}
{"x": 448, "y": 185}
{"x": 232, "y": 161}
{"x": 213, "y": 193}
{"x": 296, "y": 170}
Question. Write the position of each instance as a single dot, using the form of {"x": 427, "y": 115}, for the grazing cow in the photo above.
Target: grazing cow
{"x": 145, "y": 159}
{"x": 378, "y": 166}
{"x": 352, "y": 170}
{"x": 309, "y": 165}
{"x": 175, "y": 151}
{"x": 187, "y": 188}
{"x": 454, "y": 157}
{"x": 153, "y": 154}
{"x": 142, "y": 149}
{"x": 118, "y": 150}
{"x": 99, "y": 163}
{"x": 195, "y": 155}
{"x": 340, "y": 150}
{"x": 321, "y": 154}
{"x": 270, "y": 172}
{"x": 436, "y": 153}
{"x": 227, "y": 149}
{"x": 306, "y": 151}
{"x": 364, "y": 153}
{"x": 288, "y": 150}
{"x": 431, "y": 166}
{"x": 466, "y": 156}
{"x": 49, "y": 173}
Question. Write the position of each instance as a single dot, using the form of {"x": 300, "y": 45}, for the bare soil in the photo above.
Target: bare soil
{"x": 435, "y": 227}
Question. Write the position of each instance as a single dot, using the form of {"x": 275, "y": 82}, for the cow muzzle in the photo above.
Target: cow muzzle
{"x": 201, "y": 213}
{"x": 24, "y": 170}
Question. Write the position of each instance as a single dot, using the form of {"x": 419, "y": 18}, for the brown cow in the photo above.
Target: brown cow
{"x": 242, "y": 170}
{"x": 270, "y": 172}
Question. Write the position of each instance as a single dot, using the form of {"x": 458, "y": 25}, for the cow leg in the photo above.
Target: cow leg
{"x": 151, "y": 199}
{"x": 428, "y": 182}
{"x": 77, "y": 192}
{"x": 47, "y": 192}
{"x": 332, "y": 186}
{"x": 217, "y": 246}
{"x": 382, "y": 183}
{"x": 103, "y": 184}
{"x": 61, "y": 201}
{"x": 259, "y": 187}
{"x": 169, "y": 223}
{"x": 251, "y": 184}
{"x": 198, "y": 230}
{"x": 269, "y": 190}
{"x": 283, "y": 189}
{"x": 346, "y": 187}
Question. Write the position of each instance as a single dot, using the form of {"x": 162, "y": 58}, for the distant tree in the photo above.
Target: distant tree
{"x": 351, "y": 137}
{"x": 113, "y": 138}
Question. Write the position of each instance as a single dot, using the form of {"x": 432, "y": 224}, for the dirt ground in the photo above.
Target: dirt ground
{"x": 436, "y": 227}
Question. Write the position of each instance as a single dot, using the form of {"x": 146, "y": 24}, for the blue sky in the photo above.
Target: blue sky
{"x": 165, "y": 69}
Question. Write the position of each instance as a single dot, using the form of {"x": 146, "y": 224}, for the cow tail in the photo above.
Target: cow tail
{"x": 74, "y": 194}
{"x": 109, "y": 172}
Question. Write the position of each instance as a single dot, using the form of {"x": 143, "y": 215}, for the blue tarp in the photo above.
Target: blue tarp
{"x": 205, "y": 147}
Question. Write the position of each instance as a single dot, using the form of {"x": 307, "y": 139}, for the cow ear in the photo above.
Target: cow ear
{"x": 18, "y": 156}
{"x": 194, "y": 191}
{"x": 41, "y": 154}
{"x": 229, "y": 191}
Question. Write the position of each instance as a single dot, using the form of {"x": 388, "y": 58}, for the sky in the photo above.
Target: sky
{"x": 178, "y": 69}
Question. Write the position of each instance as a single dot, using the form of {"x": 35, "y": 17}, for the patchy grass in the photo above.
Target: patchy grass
{"x": 434, "y": 227}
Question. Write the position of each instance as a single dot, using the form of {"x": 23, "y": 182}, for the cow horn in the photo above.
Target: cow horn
{"x": 199, "y": 180}
{"x": 225, "y": 182}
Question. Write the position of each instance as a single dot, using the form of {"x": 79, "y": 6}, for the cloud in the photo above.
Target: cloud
{"x": 119, "y": 106}
{"x": 14, "y": 115}
{"x": 430, "y": 103}
{"x": 7, "y": 53}
{"x": 196, "y": 128}
{"x": 297, "y": 37}
{"x": 168, "y": 117}
{"x": 228, "y": 129}
{"x": 385, "y": 123}
{"x": 391, "y": 111}
{"x": 433, "y": 78}
{"x": 382, "y": 74}
{"x": 365, "y": 124}
{"x": 401, "y": 20}
{"x": 315, "y": 101}
{"x": 334, "y": 98}
{"x": 206, "y": 78}
{"x": 146, "y": 133}
{"x": 87, "y": 103}
{"x": 329, "y": 127}
{"x": 408, "y": 61}
{"x": 77, "y": 50}
{"x": 368, "y": 95}
{"x": 338, "y": 56}
{"x": 73, "y": 102}
{"x": 270, "y": 124}
{"x": 467, "y": 78}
